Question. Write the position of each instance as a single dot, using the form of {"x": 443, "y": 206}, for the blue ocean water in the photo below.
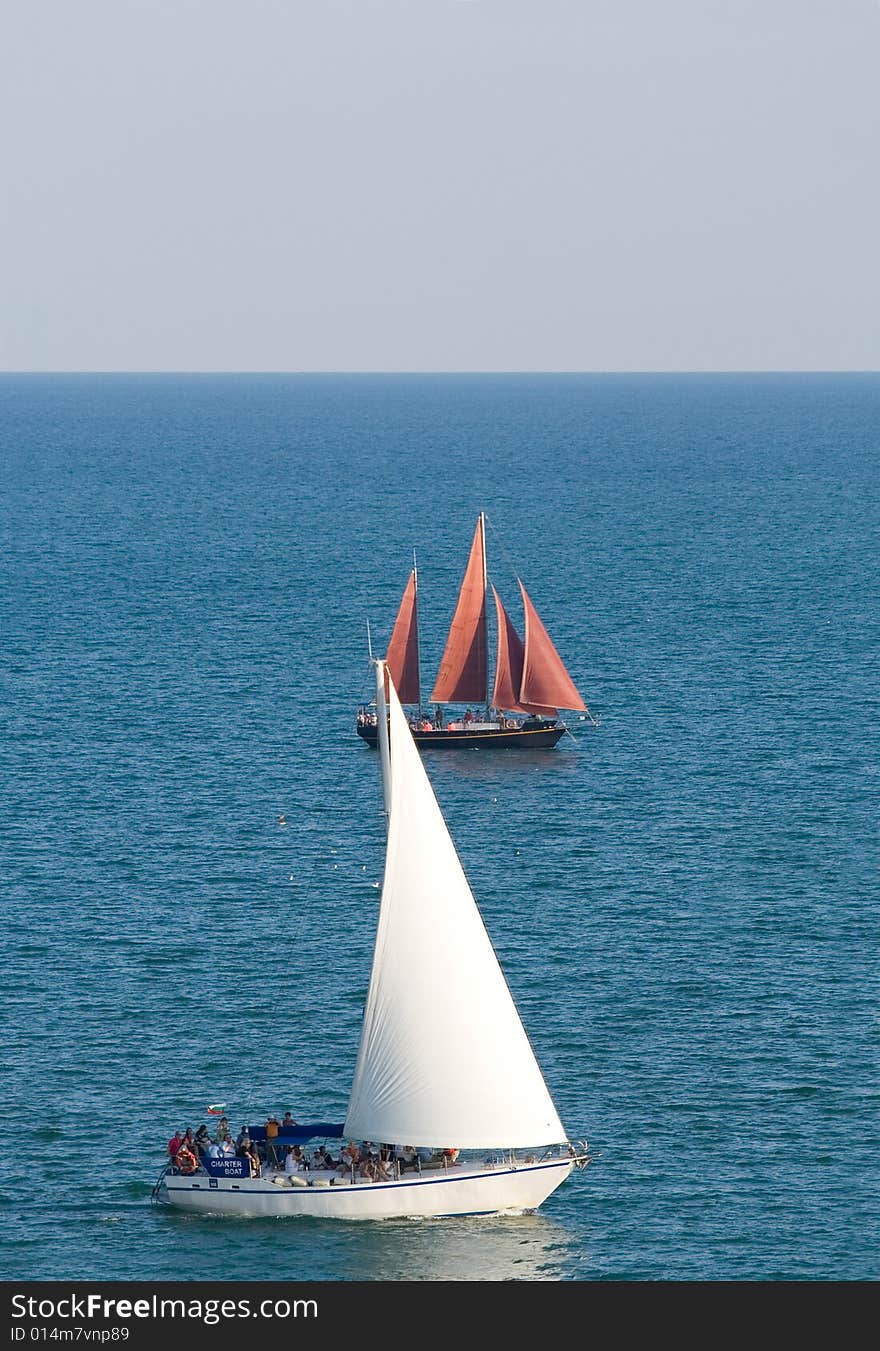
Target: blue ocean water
{"x": 684, "y": 899}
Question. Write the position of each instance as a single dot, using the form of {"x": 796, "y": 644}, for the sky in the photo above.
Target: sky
{"x": 440, "y": 185}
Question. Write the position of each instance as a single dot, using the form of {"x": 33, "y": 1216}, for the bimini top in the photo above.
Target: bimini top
{"x": 301, "y": 1132}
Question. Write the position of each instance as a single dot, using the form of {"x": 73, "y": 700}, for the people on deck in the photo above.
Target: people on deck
{"x": 272, "y": 1129}
{"x": 185, "y": 1160}
{"x": 374, "y": 1162}
{"x": 294, "y": 1161}
{"x": 350, "y": 1158}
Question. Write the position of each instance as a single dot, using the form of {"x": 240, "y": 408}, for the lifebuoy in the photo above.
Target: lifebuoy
{"x": 185, "y": 1161}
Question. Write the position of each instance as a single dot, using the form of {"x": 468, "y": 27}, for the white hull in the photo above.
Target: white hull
{"x": 456, "y": 1192}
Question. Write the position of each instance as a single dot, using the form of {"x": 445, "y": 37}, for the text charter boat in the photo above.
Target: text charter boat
{"x": 530, "y": 677}
{"x": 447, "y": 1092}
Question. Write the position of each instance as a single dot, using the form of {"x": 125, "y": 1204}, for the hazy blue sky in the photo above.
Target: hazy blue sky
{"x": 440, "y": 184}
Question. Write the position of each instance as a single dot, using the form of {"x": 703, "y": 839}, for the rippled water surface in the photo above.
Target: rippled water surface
{"x": 684, "y": 899}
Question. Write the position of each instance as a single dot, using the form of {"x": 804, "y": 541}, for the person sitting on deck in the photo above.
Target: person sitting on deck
{"x": 406, "y": 1157}
{"x": 202, "y": 1140}
{"x": 288, "y": 1121}
{"x": 351, "y": 1157}
{"x": 174, "y": 1144}
{"x": 243, "y": 1143}
{"x": 294, "y": 1162}
{"x": 253, "y": 1156}
{"x": 227, "y": 1148}
{"x": 185, "y": 1160}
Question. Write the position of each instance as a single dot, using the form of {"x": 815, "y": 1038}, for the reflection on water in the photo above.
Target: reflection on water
{"x": 563, "y": 761}
{"x": 467, "y": 1248}
{"x": 485, "y": 1248}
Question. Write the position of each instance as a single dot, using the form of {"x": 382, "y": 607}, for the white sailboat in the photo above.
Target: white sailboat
{"x": 444, "y": 1063}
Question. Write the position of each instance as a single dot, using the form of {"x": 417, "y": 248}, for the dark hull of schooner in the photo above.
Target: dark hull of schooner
{"x": 497, "y": 739}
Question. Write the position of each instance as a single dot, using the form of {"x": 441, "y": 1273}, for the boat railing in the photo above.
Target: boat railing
{"x": 155, "y": 1194}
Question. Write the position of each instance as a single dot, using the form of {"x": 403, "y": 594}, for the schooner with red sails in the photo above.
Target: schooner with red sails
{"x": 519, "y": 709}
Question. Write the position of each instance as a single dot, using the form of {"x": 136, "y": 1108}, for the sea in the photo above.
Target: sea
{"x": 684, "y": 897}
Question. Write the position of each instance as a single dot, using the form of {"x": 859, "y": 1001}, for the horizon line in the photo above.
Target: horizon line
{"x": 622, "y": 371}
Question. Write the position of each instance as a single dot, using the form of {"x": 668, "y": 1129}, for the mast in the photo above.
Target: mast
{"x": 416, "y": 627}
{"x": 402, "y": 653}
{"x": 382, "y": 728}
{"x": 485, "y": 590}
{"x": 462, "y": 677}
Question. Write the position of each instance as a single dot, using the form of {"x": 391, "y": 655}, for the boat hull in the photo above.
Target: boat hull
{"x": 454, "y": 1192}
{"x": 509, "y": 738}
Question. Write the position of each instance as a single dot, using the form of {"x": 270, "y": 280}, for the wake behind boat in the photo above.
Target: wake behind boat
{"x": 449, "y": 1113}
{"x": 530, "y": 677}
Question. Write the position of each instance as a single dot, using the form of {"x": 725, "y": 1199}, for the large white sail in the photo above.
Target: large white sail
{"x": 444, "y": 1059}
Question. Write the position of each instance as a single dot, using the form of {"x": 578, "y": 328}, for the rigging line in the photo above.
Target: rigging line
{"x": 496, "y": 538}
{"x": 513, "y": 568}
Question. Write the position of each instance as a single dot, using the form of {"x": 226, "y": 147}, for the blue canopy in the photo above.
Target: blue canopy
{"x": 301, "y": 1132}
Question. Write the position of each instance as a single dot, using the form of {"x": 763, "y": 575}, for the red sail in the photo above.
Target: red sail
{"x": 509, "y": 667}
{"x": 402, "y": 657}
{"x": 462, "y": 677}
{"x": 545, "y": 680}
